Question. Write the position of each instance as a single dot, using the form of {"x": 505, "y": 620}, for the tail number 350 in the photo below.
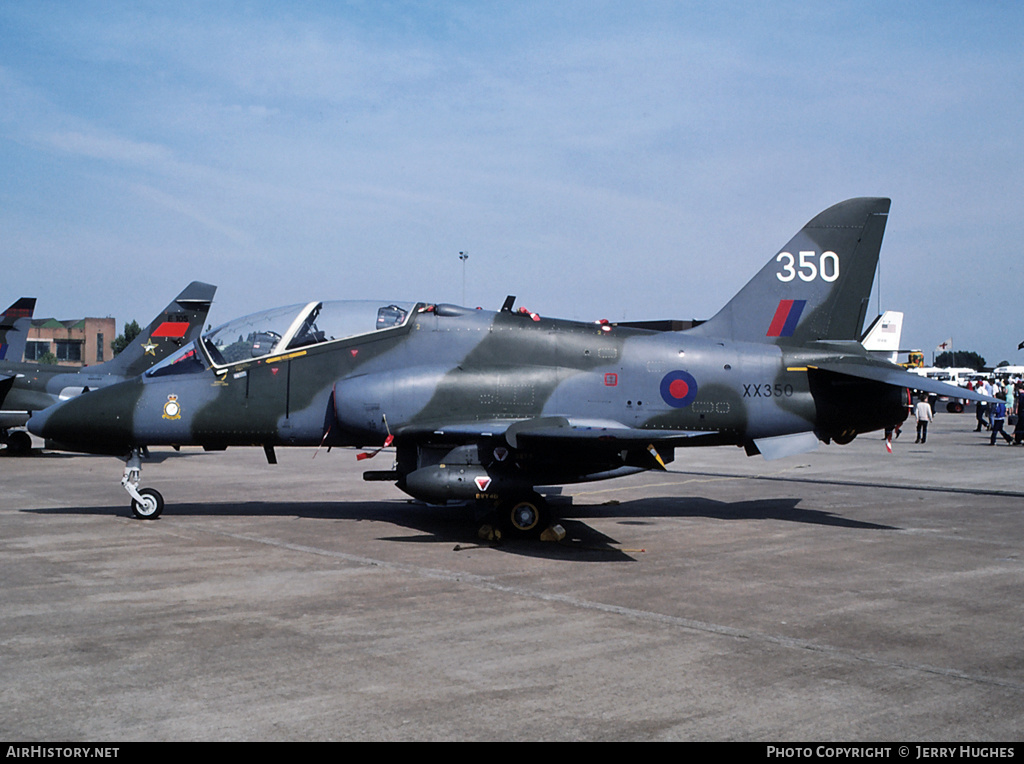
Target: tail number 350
{"x": 809, "y": 266}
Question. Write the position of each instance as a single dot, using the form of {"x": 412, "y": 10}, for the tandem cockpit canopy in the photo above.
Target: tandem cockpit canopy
{"x": 285, "y": 329}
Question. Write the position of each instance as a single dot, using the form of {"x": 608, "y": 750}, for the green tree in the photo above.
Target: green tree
{"x": 131, "y": 331}
{"x": 967, "y": 358}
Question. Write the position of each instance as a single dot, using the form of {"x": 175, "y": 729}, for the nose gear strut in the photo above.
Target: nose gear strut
{"x": 147, "y": 503}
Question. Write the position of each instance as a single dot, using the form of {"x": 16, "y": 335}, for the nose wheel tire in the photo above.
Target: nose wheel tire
{"x": 150, "y": 507}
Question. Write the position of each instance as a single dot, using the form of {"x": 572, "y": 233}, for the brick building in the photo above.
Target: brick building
{"x": 80, "y": 342}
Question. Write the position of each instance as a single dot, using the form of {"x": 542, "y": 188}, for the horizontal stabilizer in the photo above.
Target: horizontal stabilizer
{"x": 894, "y": 375}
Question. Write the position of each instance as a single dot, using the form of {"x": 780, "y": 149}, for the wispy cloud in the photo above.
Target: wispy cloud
{"x": 656, "y": 152}
{"x": 110, "y": 149}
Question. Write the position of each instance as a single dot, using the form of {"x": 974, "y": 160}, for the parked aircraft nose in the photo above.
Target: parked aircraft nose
{"x": 39, "y": 421}
{"x": 99, "y": 421}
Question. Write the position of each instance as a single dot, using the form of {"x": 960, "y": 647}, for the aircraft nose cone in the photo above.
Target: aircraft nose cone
{"x": 95, "y": 422}
{"x": 37, "y": 423}
{"x": 54, "y": 426}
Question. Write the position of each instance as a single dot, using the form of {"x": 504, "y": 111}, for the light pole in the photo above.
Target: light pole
{"x": 463, "y": 256}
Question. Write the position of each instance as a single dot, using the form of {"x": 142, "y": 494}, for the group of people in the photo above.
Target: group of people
{"x": 991, "y": 417}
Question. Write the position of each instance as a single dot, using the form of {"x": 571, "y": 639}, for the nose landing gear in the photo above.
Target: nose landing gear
{"x": 147, "y": 503}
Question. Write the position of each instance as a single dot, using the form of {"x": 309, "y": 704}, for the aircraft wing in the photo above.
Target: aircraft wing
{"x": 554, "y": 429}
{"x": 894, "y": 375}
{"x": 10, "y": 417}
{"x": 590, "y": 433}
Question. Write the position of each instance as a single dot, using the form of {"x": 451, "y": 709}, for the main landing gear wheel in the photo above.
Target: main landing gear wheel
{"x": 526, "y": 515}
{"x": 19, "y": 443}
{"x": 150, "y": 506}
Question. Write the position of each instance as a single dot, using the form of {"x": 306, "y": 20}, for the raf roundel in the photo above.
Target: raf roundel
{"x": 678, "y": 389}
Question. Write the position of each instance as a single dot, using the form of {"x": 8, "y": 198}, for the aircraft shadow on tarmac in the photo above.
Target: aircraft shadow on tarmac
{"x": 457, "y": 524}
{"x": 453, "y": 524}
{"x": 786, "y": 510}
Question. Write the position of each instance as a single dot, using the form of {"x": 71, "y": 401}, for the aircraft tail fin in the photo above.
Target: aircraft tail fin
{"x": 175, "y": 326}
{"x": 14, "y": 325}
{"x": 882, "y": 338}
{"x": 23, "y": 307}
{"x": 817, "y": 287}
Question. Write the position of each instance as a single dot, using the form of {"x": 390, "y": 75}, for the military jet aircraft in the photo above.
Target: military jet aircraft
{"x": 486, "y": 407}
{"x": 28, "y": 387}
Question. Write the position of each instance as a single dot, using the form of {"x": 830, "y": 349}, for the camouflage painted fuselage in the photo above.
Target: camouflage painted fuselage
{"x": 452, "y": 376}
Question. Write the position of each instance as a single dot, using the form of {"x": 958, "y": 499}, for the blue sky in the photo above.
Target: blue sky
{"x": 597, "y": 159}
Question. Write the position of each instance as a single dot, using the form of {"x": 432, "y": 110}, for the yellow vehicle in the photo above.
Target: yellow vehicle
{"x": 915, "y": 360}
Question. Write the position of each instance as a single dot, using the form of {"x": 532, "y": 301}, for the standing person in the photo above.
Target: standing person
{"x": 998, "y": 417}
{"x": 1018, "y": 429}
{"x": 990, "y": 390}
{"x": 981, "y": 409}
{"x": 924, "y": 415}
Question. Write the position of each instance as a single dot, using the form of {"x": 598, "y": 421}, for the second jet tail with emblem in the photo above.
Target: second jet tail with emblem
{"x": 177, "y": 324}
{"x": 30, "y": 387}
{"x": 817, "y": 287}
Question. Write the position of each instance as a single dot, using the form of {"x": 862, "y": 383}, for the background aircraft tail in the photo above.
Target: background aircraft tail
{"x": 176, "y": 325}
{"x": 14, "y": 326}
{"x": 882, "y": 338}
{"x": 23, "y": 307}
{"x": 817, "y": 287}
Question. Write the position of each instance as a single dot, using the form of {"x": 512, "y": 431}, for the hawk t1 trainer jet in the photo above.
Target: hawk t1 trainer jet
{"x": 28, "y": 387}
{"x": 487, "y": 406}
